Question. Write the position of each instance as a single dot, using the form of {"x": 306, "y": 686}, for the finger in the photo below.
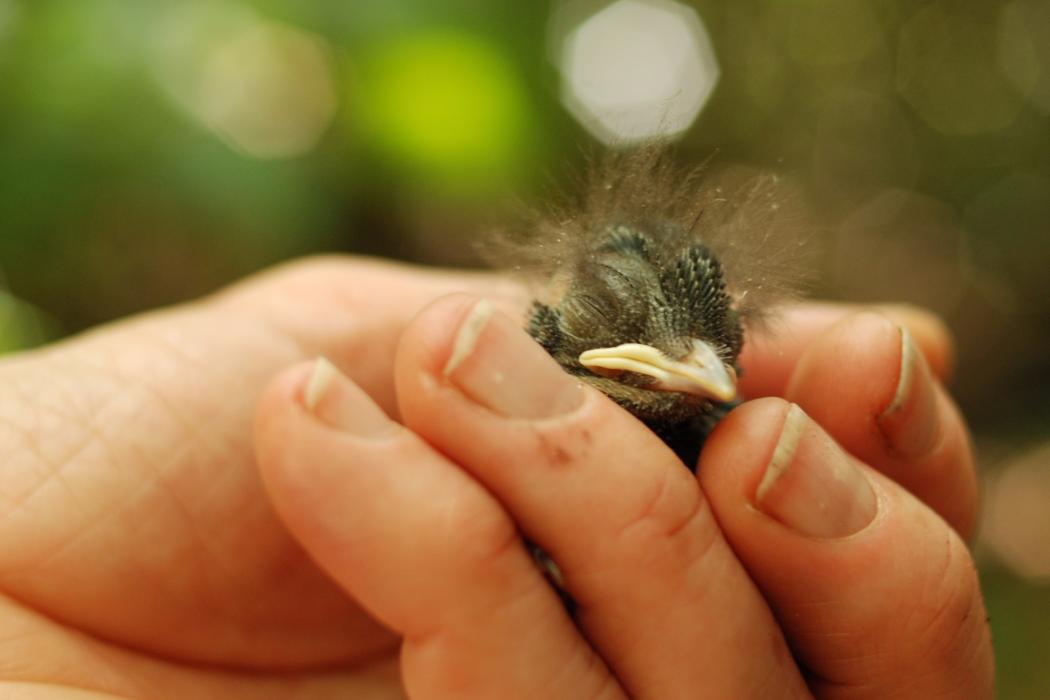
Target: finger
{"x": 868, "y": 386}
{"x": 148, "y": 421}
{"x": 352, "y": 310}
{"x": 38, "y": 649}
{"x": 420, "y": 544}
{"x": 771, "y": 352}
{"x": 877, "y": 595}
{"x": 659, "y": 593}
{"x": 40, "y": 691}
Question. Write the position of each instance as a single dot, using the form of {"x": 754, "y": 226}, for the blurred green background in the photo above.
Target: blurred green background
{"x": 154, "y": 151}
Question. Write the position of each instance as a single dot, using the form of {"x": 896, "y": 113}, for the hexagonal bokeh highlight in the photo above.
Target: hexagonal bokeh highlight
{"x": 948, "y": 72}
{"x": 637, "y": 69}
{"x": 265, "y": 88}
{"x": 1024, "y": 51}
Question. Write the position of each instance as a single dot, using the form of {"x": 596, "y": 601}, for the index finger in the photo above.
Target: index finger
{"x": 659, "y": 593}
{"x": 771, "y": 352}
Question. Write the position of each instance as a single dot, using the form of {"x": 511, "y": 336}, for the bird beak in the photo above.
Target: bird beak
{"x": 701, "y": 372}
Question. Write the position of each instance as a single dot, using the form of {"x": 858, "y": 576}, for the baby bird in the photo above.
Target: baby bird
{"x": 648, "y": 284}
{"x": 659, "y": 336}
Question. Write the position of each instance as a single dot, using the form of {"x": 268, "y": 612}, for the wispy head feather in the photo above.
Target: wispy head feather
{"x": 750, "y": 221}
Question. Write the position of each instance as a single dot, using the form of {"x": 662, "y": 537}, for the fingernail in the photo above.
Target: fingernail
{"x": 330, "y": 396}
{"x": 910, "y": 424}
{"x": 496, "y": 364}
{"x": 811, "y": 485}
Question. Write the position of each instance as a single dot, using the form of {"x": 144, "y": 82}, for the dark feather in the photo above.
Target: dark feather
{"x": 655, "y": 254}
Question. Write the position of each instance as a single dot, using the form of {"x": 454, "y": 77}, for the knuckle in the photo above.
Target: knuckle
{"x": 671, "y": 520}
{"x": 585, "y": 673}
{"x": 476, "y": 532}
{"x": 306, "y": 269}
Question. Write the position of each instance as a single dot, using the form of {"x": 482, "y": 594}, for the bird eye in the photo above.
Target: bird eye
{"x": 591, "y": 308}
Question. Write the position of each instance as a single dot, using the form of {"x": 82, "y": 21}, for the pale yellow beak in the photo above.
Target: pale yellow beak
{"x": 701, "y": 372}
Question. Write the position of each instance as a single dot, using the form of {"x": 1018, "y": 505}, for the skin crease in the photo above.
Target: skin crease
{"x": 142, "y": 556}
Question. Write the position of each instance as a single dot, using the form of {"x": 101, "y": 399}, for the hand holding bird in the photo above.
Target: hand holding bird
{"x": 368, "y": 543}
{"x": 640, "y": 303}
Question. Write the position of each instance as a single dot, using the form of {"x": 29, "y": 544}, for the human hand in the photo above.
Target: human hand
{"x": 139, "y": 555}
{"x": 795, "y": 566}
{"x": 137, "y": 551}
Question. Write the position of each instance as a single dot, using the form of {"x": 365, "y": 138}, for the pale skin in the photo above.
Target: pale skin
{"x": 181, "y": 518}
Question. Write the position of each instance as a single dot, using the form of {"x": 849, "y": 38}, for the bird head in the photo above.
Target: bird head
{"x": 651, "y": 326}
{"x": 646, "y": 281}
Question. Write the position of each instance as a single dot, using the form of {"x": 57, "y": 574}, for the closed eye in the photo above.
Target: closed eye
{"x": 594, "y": 305}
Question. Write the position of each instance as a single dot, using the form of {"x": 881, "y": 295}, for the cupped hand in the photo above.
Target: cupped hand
{"x": 141, "y": 557}
{"x": 820, "y": 553}
{"x": 139, "y": 553}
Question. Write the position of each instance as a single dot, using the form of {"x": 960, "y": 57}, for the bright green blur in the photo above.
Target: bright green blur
{"x": 444, "y": 102}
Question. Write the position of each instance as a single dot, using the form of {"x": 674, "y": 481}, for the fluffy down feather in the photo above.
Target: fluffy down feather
{"x": 658, "y": 262}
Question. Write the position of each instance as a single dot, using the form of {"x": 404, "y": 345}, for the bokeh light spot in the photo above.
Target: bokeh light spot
{"x": 638, "y": 69}
{"x": 78, "y": 58}
{"x": 948, "y": 72}
{"x": 1024, "y": 50}
{"x": 1017, "y": 521}
{"x": 446, "y": 102}
{"x": 263, "y": 87}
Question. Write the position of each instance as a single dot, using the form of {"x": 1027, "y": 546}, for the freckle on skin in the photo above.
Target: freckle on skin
{"x": 556, "y": 455}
